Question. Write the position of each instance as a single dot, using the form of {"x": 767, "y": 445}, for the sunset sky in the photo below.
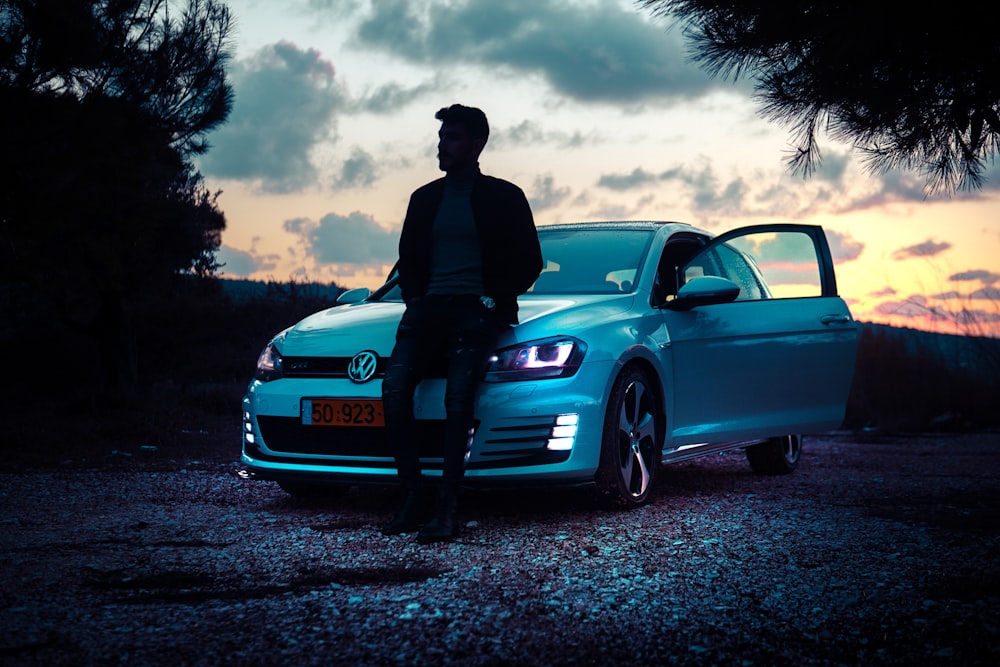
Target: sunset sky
{"x": 596, "y": 112}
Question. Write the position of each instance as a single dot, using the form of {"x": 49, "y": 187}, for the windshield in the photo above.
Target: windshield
{"x": 591, "y": 261}
{"x": 577, "y": 261}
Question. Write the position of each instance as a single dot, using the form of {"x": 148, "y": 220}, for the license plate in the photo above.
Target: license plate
{"x": 342, "y": 412}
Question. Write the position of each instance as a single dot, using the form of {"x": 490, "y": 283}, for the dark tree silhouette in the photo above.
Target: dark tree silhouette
{"x": 102, "y": 104}
{"x": 165, "y": 57}
{"x": 909, "y": 86}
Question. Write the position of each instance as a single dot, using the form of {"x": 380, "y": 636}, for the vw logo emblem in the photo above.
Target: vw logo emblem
{"x": 362, "y": 366}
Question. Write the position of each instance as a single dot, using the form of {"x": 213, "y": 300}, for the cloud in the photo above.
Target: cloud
{"x": 989, "y": 293}
{"x": 392, "y": 97}
{"x": 286, "y": 101}
{"x": 832, "y": 168}
{"x": 986, "y": 277}
{"x": 889, "y": 187}
{"x": 333, "y": 9}
{"x": 638, "y": 178}
{"x": 236, "y": 262}
{"x": 359, "y": 170}
{"x": 708, "y": 194}
{"x": 899, "y": 185}
{"x": 885, "y": 291}
{"x": 297, "y": 225}
{"x": 525, "y": 133}
{"x": 752, "y": 194}
{"x": 902, "y": 186}
{"x": 595, "y": 52}
{"x": 972, "y": 320}
{"x": 914, "y": 307}
{"x": 530, "y": 133}
{"x": 729, "y": 199}
{"x": 617, "y": 211}
{"x": 545, "y": 194}
{"x": 843, "y": 247}
{"x": 243, "y": 263}
{"x": 354, "y": 239}
{"x": 928, "y": 248}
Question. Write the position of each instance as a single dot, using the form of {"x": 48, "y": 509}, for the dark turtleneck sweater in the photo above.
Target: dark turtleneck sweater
{"x": 456, "y": 259}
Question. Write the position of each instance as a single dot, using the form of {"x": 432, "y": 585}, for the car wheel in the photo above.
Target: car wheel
{"x": 630, "y": 443}
{"x": 777, "y": 456}
{"x": 313, "y": 490}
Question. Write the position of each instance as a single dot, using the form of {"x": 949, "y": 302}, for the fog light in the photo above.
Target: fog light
{"x": 559, "y": 444}
{"x": 563, "y": 434}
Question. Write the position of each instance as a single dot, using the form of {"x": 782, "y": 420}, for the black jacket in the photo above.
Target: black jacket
{"x": 511, "y": 256}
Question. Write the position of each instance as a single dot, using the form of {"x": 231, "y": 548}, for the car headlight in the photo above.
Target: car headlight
{"x": 270, "y": 365}
{"x": 549, "y": 358}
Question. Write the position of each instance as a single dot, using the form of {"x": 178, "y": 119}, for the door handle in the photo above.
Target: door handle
{"x": 835, "y": 319}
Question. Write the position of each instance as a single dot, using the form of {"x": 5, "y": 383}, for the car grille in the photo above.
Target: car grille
{"x": 325, "y": 367}
{"x": 336, "y": 367}
{"x": 503, "y": 447}
{"x": 288, "y": 435}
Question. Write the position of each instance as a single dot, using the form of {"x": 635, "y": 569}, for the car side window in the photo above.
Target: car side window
{"x": 727, "y": 262}
{"x": 765, "y": 265}
{"x": 738, "y": 268}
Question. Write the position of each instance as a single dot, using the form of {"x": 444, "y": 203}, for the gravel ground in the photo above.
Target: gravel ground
{"x": 877, "y": 552}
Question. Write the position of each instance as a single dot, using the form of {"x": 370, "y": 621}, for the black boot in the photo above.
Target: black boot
{"x": 408, "y": 514}
{"x": 442, "y": 527}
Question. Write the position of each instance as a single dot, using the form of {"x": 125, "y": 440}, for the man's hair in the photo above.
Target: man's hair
{"x": 471, "y": 118}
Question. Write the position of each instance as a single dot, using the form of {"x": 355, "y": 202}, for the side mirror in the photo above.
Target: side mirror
{"x": 704, "y": 291}
{"x": 353, "y": 296}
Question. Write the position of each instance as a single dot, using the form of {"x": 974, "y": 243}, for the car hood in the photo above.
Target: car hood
{"x": 346, "y": 330}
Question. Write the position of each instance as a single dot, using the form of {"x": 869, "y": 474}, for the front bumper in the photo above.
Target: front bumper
{"x": 545, "y": 431}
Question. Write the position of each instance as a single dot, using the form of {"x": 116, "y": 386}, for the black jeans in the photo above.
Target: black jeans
{"x": 461, "y": 330}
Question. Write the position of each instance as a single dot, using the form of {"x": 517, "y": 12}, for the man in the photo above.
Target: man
{"x": 468, "y": 248}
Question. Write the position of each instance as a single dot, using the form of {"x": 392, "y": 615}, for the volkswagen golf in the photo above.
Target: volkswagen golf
{"x": 640, "y": 344}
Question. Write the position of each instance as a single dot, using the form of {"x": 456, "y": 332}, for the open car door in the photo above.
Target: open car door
{"x": 759, "y": 337}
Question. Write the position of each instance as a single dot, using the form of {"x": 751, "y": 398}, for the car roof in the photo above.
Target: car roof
{"x": 616, "y": 225}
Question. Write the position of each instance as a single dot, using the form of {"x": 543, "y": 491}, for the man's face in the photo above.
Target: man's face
{"x": 457, "y": 150}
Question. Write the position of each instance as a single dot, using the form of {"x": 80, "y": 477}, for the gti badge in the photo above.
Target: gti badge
{"x": 362, "y": 366}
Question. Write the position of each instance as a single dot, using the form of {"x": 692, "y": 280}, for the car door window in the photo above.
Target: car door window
{"x": 770, "y": 264}
{"x": 725, "y": 261}
{"x": 788, "y": 262}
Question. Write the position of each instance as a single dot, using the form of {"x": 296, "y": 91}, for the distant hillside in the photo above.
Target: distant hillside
{"x": 979, "y": 356}
{"x": 911, "y": 380}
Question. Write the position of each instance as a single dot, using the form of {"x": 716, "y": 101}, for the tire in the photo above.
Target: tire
{"x": 312, "y": 490}
{"x": 777, "y": 456}
{"x": 630, "y": 444}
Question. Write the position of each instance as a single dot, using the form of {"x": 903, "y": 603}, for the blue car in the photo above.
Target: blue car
{"x": 640, "y": 344}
